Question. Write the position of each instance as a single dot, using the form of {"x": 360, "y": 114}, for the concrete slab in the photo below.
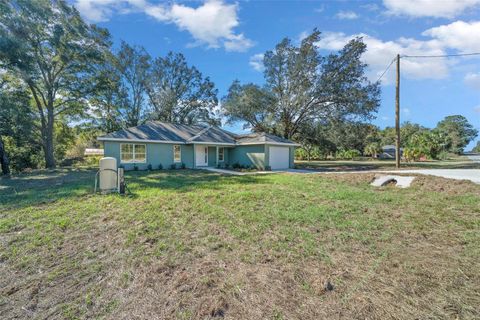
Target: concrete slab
{"x": 401, "y": 181}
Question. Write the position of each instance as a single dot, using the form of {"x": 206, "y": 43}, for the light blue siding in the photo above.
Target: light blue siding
{"x": 248, "y": 155}
{"x": 157, "y": 153}
{"x": 292, "y": 157}
{"x": 225, "y": 155}
{"x": 212, "y": 156}
{"x": 162, "y": 153}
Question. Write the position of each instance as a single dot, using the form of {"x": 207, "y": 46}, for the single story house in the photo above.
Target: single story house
{"x": 159, "y": 143}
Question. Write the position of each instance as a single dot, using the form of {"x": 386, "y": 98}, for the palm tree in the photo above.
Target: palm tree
{"x": 372, "y": 149}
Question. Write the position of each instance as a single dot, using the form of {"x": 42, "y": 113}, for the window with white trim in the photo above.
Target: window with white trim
{"x": 133, "y": 153}
{"x": 221, "y": 154}
{"x": 177, "y": 153}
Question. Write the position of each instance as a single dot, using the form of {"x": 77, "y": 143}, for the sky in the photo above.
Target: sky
{"x": 226, "y": 40}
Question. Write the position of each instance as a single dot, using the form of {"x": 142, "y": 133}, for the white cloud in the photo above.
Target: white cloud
{"x": 211, "y": 23}
{"x": 320, "y": 9}
{"x": 429, "y": 8}
{"x": 459, "y": 35}
{"x": 370, "y": 6}
{"x": 238, "y": 43}
{"x": 346, "y": 15}
{"x": 303, "y": 35}
{"x": 472, "y": 80}
{"x": 96, "y": 10}
{"x": 380, "y": 53}
{"x": 256, "y": 62}
{"x": 406, "y": 111}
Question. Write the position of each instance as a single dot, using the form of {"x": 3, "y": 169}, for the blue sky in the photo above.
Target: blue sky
{"x": 225, "y": 40}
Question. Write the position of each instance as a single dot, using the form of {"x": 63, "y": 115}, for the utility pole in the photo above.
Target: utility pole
{"x": 397, "y": 115}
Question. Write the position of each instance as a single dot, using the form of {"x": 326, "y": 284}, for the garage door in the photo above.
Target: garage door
{"x": 279, "y": 158}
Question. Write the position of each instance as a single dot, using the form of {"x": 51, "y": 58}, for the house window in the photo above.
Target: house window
{"x": 133, "y": 153}
{"x": 177, "y": 153}
{"x": 221, "y": 153}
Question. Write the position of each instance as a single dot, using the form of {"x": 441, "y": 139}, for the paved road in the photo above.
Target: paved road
{"x": 475, "y": 157}
{"x": 457, "y": 174}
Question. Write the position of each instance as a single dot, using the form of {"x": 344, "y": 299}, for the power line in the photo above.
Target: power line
{"x": 444, "y": 55}
{"x": 385, "y": 71}
{"x": 428, "y": 56}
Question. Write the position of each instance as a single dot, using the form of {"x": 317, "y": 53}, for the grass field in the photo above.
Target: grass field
{"x": 459, "y": 162}
{"x": 197, "y": 245}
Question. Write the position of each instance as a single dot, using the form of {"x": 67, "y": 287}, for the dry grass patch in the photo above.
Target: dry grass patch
{"x": 196, "y": 245}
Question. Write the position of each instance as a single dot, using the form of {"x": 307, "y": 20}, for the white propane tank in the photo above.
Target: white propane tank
{"x": 108, "y": 174}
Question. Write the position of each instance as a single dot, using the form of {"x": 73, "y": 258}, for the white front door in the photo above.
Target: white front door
{"x": 201, "y": 156}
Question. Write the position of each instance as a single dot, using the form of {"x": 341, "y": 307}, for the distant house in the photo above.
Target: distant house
{"x": 93, "y": 152}
{"x": 159, "y": 143}
{"x": 388, "y": 152}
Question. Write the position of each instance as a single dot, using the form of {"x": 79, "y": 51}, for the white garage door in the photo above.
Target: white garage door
{"x": 279, "y": 158}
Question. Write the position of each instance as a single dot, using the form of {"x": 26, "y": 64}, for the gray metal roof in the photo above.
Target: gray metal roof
{"x": 156, "y": 130}
{"x": 214, "y": 134}
{"x": 169, "y": 132}
{"x": 261, "y": 137}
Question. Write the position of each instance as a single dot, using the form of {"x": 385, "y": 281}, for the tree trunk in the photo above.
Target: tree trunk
{"x": 48, "y": 142}
{"x": 4, "y": 161}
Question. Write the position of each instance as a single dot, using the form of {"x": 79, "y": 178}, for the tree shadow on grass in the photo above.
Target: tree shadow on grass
{"x": 183, "y": 180}
{"x": 43, "y": 187}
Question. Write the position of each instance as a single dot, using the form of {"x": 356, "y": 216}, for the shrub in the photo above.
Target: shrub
{"x": 412, "y": 154}
{"x": 372, "y": 149}
{"x": 268, "y": 168}
{"x": 444, "y": 155}
{"x": 135, "y": 167}
{"x": 173, "y": 166}
{"x": 347, "y": 154}
{"x": 315, "y": 153}
{"x": 236, "y": 165}
{"x": 149, "y": 167}
{"x": 183, "y": 166}
{"x": 160, "y": 167}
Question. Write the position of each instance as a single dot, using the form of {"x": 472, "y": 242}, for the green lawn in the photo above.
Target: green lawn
{"x": 460, "y": 162}
{"x": 197, "y": 245}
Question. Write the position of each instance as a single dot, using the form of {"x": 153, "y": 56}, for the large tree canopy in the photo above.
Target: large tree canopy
{"x": 17, "y": 137}
{"x": 306, "y": 86}
{"x": 133, "y": 64}
{"x": 178, "y": 93}
{"x": 110, "y": 101}
{"x": 458, "y": 131}
{"x": 54, "y": 52}
{"x": 252, "y": 104}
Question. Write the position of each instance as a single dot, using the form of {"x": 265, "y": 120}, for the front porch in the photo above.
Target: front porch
{"x": 208, "y": 155}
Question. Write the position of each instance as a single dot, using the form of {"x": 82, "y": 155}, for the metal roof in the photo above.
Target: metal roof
{"x": 261, "y": 137}
{"x": 156, "y": 131}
